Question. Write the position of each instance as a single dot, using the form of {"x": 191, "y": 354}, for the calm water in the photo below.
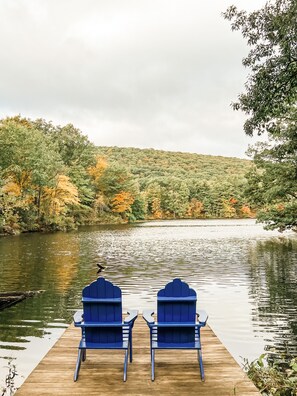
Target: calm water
{"x": 245, "y": 278}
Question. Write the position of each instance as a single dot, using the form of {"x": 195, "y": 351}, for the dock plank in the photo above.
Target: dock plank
{"x": 177, "y": 372}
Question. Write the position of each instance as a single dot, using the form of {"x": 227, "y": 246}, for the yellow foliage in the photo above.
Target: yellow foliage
{"x": 12, "y": 188}
{"x": 195, "y": 208}
{"x": 99, "y": 203}
{"x": 22, "y": 179}
{"x": 156, "y": 208}
{"x": 122, "y": 202}
{"x": 228, "y": 210}
{"x": 54, "y": 199}
{"x": 18, "y": 120}
{"x": 97, "y": 171}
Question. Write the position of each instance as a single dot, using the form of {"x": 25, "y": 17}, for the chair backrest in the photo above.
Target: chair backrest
{"x": 102, "y": 304}
{"x": 176, "y": 303}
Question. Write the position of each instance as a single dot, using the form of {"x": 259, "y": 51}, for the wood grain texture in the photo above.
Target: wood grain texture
{"x": 177, "y": 372}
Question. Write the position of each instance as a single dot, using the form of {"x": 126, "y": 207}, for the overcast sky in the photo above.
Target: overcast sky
{"x": 139, "y": 73}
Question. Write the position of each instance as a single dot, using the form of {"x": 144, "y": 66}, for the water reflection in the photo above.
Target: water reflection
{"x": 273, "y": 290}
{"x": 245, "y": 278}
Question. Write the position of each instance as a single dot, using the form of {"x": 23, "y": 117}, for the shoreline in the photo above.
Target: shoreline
{"x": 12, "y": 232}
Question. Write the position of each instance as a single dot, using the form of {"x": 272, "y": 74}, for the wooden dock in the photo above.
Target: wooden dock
{"x": 177, "y": 372}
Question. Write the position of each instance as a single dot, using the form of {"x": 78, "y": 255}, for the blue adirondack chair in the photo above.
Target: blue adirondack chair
{"x": 176, "y": 326}
{"x": 101, "y": 322}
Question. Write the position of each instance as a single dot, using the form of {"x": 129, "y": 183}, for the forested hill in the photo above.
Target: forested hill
{"x": 148, "y": 163}
{"x": 183, "y": 185}
{"x": 53, "y": 178}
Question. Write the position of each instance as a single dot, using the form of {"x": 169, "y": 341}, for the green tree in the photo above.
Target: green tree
{"x": 270, "y": 101}
{"x": 174, "y": 197}
{"x": 272, "y": 189}
{"x": 139, "y": 207}
{"x": 73, "y": 146}
{"x": 77, "y": 154}
{"x": 153, "y": 197}
{"x": 28, "y": 164}
{"x": 115, "y": 179}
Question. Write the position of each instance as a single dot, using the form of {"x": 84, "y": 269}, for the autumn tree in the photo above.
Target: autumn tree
{"x": 57, "y": 199}
{"x": 77, "y": 154}
{"x": 116, "y": 188}
{"x": 270, "y": 102}
{"x": 121, "y": 203}
{"x": 195, "y": 209}
{"x": 52, "y": 177}
{"x": 97, "y": 171}
{"x": 28, "y": 164}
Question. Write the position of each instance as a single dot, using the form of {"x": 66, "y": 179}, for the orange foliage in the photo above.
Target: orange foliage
{"x": 233, "y": 201}
{"x": 97, "y": 171}
{"x": 246, "y": 211}
{"x": 122, "y": 202}
{"x": 195, "y": 208}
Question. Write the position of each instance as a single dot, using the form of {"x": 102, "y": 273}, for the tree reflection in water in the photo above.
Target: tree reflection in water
{"x": 273, "y": 266}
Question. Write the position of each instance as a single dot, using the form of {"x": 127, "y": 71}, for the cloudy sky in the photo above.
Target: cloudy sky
{"x": 139, "y": 73}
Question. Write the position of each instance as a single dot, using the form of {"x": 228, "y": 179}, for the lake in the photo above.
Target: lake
{"x": 245, "y": 279}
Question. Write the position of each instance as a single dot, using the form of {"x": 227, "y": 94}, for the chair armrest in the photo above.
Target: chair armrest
{"x": 175, "y": 324}
{"x": 148, "y": 316}
{"x": 202, "y": 317}
{"x": 78, "y": 317}
{"x": 132, "y": 316}
{"x": 100, "y": 324}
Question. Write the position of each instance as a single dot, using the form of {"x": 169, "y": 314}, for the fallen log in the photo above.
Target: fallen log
{"x": 10, "y": 298}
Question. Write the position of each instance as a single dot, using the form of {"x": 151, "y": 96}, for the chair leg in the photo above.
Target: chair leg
{"x": 153, "y": 363}
{"x": 125, "y": 365}
{"x": 78, "y": 363}
{"x": 84, "y": 354}
{"x": 151, "y": 337}
{"x": 130, "y": 347}
{"x": 201, "y": 364}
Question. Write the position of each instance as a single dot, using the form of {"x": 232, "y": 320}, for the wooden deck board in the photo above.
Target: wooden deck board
{"x": 177, "y": 372}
